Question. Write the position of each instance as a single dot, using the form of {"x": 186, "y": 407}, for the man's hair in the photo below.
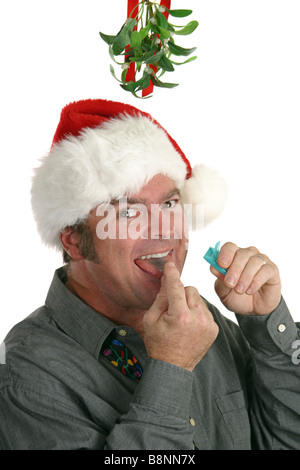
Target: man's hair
{"x": 86, "y": 243}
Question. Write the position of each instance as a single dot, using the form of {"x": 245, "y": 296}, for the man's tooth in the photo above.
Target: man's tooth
{"x": 155, "y": 255}
{"x": 162, "y": 255}
{"x": 159, "y": 255}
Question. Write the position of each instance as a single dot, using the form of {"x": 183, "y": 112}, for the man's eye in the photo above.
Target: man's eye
{"x": 170, "y": 204}
{"x": 129, "y": 213}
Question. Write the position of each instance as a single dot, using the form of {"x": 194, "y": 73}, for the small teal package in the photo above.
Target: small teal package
{"x": 211, "y": 257}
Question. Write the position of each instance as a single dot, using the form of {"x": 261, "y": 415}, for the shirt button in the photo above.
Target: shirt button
{"x": 122, "y": 332}
{"x": 192, "y": 421}
{"x": 281, "y": 328}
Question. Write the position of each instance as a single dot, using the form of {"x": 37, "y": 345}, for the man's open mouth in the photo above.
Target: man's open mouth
{"x": 153, "y": 264}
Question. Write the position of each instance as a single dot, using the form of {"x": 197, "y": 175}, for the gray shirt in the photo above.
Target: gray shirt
{"x": 58, "y": 391}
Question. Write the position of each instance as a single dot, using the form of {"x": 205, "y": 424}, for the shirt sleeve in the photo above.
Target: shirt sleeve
{"x": 158, "y": 416}
{"x": 275, "y": 378}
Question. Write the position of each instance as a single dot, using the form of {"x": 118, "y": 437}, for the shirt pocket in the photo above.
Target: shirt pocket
{"x": 235, "y": 418}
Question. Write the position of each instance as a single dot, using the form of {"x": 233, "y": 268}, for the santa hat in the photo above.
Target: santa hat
{"x": 103, "y": 150}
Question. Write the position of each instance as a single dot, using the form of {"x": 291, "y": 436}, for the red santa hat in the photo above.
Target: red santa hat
{"x": 103, "y": 150}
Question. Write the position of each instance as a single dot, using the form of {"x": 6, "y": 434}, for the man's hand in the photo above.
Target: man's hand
{"x": 178, "y": 328}
{"x": 252, "y": 282}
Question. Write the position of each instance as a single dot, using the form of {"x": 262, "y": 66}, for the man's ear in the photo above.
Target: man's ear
{"x": 71, "y": 242}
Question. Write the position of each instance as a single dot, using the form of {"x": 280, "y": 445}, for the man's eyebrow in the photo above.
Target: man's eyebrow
{"x": 174, "y": 192}
{"x": 133, "y": 200}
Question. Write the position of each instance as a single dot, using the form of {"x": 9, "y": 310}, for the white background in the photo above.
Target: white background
{"x": 236, "y": 110}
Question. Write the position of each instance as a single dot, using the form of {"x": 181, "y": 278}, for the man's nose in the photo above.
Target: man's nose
{"x": 161, "y": 223}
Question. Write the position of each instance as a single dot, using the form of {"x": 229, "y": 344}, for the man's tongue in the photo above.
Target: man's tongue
{"x": 153, "y": 266}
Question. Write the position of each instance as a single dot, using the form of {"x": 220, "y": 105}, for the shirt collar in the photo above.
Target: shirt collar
{"x": 79, "y": 321}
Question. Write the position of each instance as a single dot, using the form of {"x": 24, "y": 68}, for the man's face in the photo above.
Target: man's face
{"x": 150, "y": 223}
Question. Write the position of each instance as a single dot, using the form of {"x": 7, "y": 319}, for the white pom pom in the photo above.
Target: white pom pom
{"x": 204, "y": 195}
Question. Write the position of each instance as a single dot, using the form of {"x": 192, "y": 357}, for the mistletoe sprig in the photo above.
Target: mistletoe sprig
{"x": 148, "y": 41}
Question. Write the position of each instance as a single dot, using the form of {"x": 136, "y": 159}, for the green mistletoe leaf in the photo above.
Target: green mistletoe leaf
{"x": 188, "y": 29}
{"x": 179, "y": 13}
{"x": 139, "y": 85}
{"x": 144, "y": 58}
{"x": 136, "y": 43}
{"x": 160, "y": 84}
{"x": 185, "y": 62}
{"x": 162, "y": 21}
{"x": 145, "y": 82}
{"x": 111, "y": 54}
{"x": 155, "y": 57}
{"x": 164, "y": 33}
{"x": 144, "y": 31}
{"x": 136, "y": 39}
{"x": 131, "y": 86}
{"x": 177, "y": 50}
{"x": 112, "y": 71}
{"x": 108, "y": 39}
{"x": 166, "y": 64}
{"x": 122, "y": 39}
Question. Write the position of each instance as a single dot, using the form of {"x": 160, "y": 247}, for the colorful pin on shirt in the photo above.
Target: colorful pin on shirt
{"x": 122, "y": 358}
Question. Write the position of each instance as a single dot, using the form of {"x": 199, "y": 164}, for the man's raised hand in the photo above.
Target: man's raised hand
{"x": 178, "y": 328}
{"x": 252, "y": 283}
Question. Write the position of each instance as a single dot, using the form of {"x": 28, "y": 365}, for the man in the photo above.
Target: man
{"x": 122, "y": 355}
